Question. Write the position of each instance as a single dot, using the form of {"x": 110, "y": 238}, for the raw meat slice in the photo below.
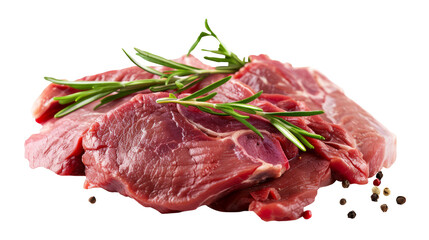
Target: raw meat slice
{"x": 338, "y": 147}
{"x": 58, "y": 146}
{"x": 346, "y": 160}
{"x": 152, "y": 153}
{"x": 45, "y": 107}
{"x": 377, "y": 144}
{"x": 282, "y": 198}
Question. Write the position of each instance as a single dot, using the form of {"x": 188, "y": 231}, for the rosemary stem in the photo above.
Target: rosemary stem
{"x": 187, "y": 103}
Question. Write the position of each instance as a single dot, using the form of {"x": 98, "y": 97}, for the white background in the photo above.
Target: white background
{"x": 377, "y": 51}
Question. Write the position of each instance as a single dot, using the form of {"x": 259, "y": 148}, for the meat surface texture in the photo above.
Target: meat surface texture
{"x": 377, "y": 144}
{"x": 283, "y": 198}
{"x": 338, "y": 147}
{"x": 58, "y": 146}
{"x": 175, "y": 158}
{"x": 153, "y": 154}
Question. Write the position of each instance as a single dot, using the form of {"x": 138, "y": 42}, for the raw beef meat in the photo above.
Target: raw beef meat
{"x": 44, "y": 108}
{"x": 338, "y": 147}
{"x": 174, "y": 158}
{"x": 377, "y": 144}
{"x": 152, "y": 153}
{"x": 58, "y": 146}
{"x": 282, "y": 198}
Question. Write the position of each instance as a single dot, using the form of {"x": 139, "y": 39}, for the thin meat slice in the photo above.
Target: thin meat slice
{"x": 282, "y": 198}
{"x": 152, "y": 153}
{"x": 58, "y": 146}
{"x": 377, "y": 144}
{"x": 45, "y": 107}
{"x": 338, "y": 147}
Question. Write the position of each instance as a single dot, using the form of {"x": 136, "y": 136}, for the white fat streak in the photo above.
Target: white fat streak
{"x": 266, "y": 170}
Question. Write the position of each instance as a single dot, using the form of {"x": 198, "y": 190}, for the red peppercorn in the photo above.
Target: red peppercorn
{"x": 376, "y": 182}
{"x": 307, "y": 214}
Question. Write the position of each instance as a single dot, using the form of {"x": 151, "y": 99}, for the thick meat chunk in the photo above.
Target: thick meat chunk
{"x": 377, "y": 144}
{"x": 58, "y": 146}
{"x": 152, "y": 153}
{"x": 282, "y": 198}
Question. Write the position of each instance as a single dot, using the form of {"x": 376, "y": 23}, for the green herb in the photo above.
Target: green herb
{"x": 228, "y": 57}
{"x": 290, "y": 131}
{"x": 180, "y": 78}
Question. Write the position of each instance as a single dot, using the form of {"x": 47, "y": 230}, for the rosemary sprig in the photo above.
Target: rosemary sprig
{"x": 228, "y": 57}
{"x": 290, "y": 131}
{"x": 180, "y": 78}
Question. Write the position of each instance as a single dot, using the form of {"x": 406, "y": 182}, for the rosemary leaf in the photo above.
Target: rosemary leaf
{"x": 206, "y": 98}
{"x": 202, "y": 34}
{"x": 73, "y": 107}
{"x": 251, "y": 98}
{"x": 301, "y": 139}
{"x": 296, "y": 114}
{"x": 83, "y": 85}
{"x": 162, "y": 61}
{"x": 285, "y": 131}
{"x": 230, "y": 111}
{"x": 242, "y": 107}
{"x": 207, "y": 89}
{"x": 192, "y": 82}
{"x": 208, "y": 110}
{"x": 116, "y": 96}
{"x": 216, "y": 59}
{"x": 147, "y": 69}
{"x": 300, "y": 130}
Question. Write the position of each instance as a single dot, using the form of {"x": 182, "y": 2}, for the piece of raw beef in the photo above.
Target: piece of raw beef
{"x": 58, "y": 146}
{"x": 152, "y": 153}
{"x": 377, "y": 144}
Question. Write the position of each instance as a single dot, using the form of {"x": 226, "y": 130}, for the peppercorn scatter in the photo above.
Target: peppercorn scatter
{"x": 376, "y": 182}
{"x": 374, "y": 197}
{"x": 401, "y": 200}
{"x": 351, "y": 214}
{"x": 376, "y": 190}
{"x": 92, "y": 200}
{"x": 379, "y": 175}
{"x": 307, "y": 214}
{"x": 346, "y": 183}
{"x": 384, "y": 207}
{"x": 386, "y": 191}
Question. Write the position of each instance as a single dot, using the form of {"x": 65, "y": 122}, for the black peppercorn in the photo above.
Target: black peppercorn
{"x": 351, "y": 214}
{"x": 92, "y": 199}
{"x": 346, "y": 183}
{"x": 401, "y": 200}
{"x": 374, "y": 197}
{"x": 384, "y": 207}
{"x": 379, "y": 175}
{"x": 343, "y": 201}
